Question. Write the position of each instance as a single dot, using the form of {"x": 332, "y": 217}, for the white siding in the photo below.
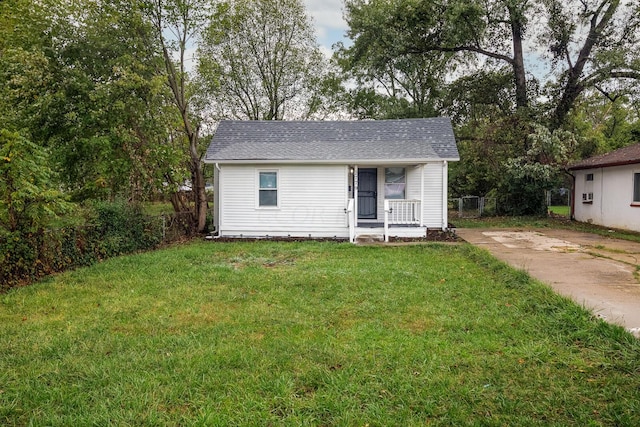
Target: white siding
{"x": 311, "y": 198}
{"x": 414, "y": 174}
{"x": 612, "y": 205}
{"x": 433, "y": 197}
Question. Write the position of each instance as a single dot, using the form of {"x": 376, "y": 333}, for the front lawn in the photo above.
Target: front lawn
{"x": 309, "y": 334}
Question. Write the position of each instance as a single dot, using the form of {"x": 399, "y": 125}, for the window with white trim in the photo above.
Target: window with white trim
{"x": 395, "y": 182}
{"x": 636, "y": 188}
{"x": 268, "y": 189}
{"x": 587, "y": 196}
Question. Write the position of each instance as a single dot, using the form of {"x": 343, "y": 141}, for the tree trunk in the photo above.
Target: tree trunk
{"x": 198, "y": 183}
{"x": 519, "y": 73}
{"x": 176, "y": 79}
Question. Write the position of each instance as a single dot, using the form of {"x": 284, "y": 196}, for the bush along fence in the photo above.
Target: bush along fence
{"x": 115, "y": 230}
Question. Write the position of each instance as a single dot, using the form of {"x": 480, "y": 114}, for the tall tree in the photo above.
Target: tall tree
{"x": 591, "y": 41}
{"x": 78, "y": 80}
{"x": 29, "y": 192}
{"x": 594, "y": 44}
{"x": 259, "y": 60}
{"x": 491, "y": 29}
{"x": 176, "y": 25}
{"x": 107, "y": 121}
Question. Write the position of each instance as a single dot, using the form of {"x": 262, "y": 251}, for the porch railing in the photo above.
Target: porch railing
{"x": 404, "y": 212}
{"x": 400, "y": 212}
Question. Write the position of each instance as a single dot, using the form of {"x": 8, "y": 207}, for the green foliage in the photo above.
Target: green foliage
{"x": 392, "y": 79}
{"x": 521, "y": 191}
{"x": 85, "y": 78}
{"x": 605, "y": 124}
{"x": 123, "y": 228}
{"x": 526, "y": 178}
{"x": 485, "y": 95}
{"x": 113, "y": 229}
{"x": 401, "y": 47}
{"x": 110, "y": 125}
{"x": 28, "y": 197}
{"x": 513, "y": 161}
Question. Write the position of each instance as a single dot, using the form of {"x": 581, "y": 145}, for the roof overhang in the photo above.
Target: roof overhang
{"x": 603, "y": 165}
{"x": 331, "y": 162}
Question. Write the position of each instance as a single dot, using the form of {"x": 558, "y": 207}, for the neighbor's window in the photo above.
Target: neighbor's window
{"x": 394, "y": 183}
{"x": 588, "y": 177}
{"x": 268, "y": 189}
{"x": 636, "y": 188}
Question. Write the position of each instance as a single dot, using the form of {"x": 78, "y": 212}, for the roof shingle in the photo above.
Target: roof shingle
{"x": 623, "y": 156}
{"x": 318, "y": 141}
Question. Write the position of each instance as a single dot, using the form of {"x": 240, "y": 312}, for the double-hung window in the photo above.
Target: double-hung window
{"x": 267, "y": 188}
{"x": 636, "y": 188}
{"x": 395, "y": 182}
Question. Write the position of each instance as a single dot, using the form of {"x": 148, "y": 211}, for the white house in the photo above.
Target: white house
{"x": 607, "y": 189}
{"x": 326, "y": 179}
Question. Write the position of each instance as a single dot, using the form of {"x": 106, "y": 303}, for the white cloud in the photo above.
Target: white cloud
{"x": 328, "y": 21}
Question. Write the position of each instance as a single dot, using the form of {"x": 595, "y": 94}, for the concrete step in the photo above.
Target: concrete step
{"x": 369, "y": 238}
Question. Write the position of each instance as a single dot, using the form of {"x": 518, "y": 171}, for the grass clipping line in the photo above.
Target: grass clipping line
{"x": 309, "y": 333}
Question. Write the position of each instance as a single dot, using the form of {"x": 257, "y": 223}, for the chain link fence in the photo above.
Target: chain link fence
{"x": 557, "y": 200}
{"x": 472, "y": 206}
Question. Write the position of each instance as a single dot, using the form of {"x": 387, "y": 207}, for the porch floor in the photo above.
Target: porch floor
{"x": 381, "y": 225}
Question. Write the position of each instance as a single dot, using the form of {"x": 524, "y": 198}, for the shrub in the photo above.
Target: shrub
{"x": 124, "y": 228}
{"x": 115, "y": 228}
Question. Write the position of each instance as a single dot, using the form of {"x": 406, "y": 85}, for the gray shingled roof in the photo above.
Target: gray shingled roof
{"x": 327, "y": 141}
{"x": 624, "y": 156}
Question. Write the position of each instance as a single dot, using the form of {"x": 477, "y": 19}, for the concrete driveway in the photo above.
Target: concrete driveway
{"x": 596, "y": 272}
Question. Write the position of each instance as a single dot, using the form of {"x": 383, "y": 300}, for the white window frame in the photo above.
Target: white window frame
{"x": 259, "y": 189}
{"x": 587, "y": 196}
{"x": 405, "y": 181}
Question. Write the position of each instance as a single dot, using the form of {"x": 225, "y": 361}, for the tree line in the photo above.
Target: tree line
{"x": 118, "y": 99}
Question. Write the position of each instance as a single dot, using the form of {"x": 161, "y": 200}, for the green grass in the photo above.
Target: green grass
{"x": 309, "y": 334}
{"x": 157, "y": 208}
{"x": 560, "y": 210}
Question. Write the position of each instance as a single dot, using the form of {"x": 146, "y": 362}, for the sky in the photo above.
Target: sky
{"x": 328, "y": 21}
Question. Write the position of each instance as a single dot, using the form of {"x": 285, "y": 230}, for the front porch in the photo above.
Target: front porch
{"x": 401, "y": 219}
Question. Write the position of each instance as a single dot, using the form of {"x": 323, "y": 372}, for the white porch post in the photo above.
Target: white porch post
{"x": 445, "y": 201}
{"x": 422, "y": 196}
{"x": 386, "y": 220}
{"x": 355, "y": 193}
